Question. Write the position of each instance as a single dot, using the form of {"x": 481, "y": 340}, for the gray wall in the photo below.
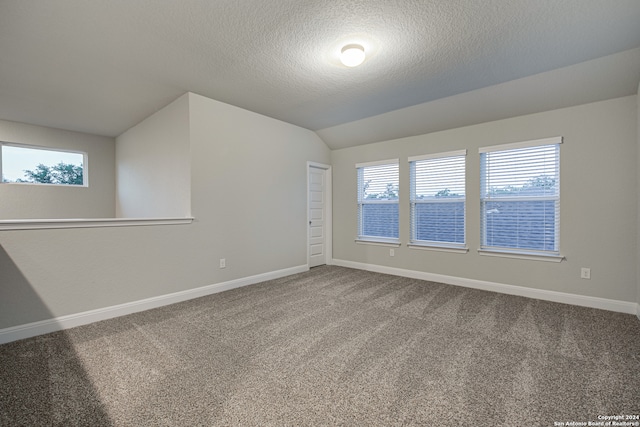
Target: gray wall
{"x": 599, "y": 201}
{"x": 153, "y": 175}
{"x": 248, "y": 188}
{"x": 248, "y": 195}
{"x": 27, "y": 201}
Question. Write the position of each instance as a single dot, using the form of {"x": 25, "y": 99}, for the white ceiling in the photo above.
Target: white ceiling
{"x": 101, "y": 66}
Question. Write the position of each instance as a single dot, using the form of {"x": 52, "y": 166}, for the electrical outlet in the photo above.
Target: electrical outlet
{"x": 585, "y": 273}
{"x": 392, "y": 252}
{"x": 223, "y": 263}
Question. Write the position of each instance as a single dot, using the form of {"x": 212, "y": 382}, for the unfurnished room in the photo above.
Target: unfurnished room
{"x": 318, "y": 213}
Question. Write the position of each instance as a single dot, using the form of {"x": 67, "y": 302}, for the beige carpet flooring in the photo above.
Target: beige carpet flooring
{"x": 332, "y": 346}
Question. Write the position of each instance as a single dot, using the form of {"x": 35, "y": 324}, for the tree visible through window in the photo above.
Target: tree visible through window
{"x": 520, "y": 196}
{"x": 26, "y": 164}
{"x": 438, "y": 199}
{"x": 378, "y": 188}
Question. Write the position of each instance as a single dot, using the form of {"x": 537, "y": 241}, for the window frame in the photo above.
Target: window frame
{"x": 85, "y": 160}
{"x": 414, "y": 242}
{"x": 361, "y": 237}
{"x": 520, "y": 252}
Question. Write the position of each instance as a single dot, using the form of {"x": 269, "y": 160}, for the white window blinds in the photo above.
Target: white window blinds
{"x": 437, "y": 199}
{"x": 378, "y": 187}
{"x": 520, "y": 196}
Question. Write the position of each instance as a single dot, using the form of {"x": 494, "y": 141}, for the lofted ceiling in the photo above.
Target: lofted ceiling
{"x": 101, "y": 66}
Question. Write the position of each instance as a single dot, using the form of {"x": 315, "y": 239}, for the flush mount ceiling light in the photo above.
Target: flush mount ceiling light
{"x": 352, "y": 55}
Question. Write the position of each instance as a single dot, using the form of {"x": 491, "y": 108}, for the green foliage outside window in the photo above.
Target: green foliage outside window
{"x": 62, "y": 173}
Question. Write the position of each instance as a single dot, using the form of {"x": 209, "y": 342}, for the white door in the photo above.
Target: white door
{"x": 317, "y": 217}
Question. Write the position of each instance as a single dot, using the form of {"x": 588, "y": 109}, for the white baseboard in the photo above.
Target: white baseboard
{"x": 565, "y": 298}
{"x": 65, "y": 322}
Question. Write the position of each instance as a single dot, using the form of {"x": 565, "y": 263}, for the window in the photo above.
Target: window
{"x": 520, "y": 197}
{"x": 378, "y": 201}
{"x": 38, "y": 165}
{"x": 437, "y": 200}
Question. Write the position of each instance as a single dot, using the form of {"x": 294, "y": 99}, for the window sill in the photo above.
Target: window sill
{"x": 379, "y": 242}
{"x": 438, "y": 248}
{"x": 521, "y": 255}
{"x": 43, "y": 224}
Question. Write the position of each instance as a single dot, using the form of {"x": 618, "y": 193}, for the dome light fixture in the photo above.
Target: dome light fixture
{"x": 352, "y": 55}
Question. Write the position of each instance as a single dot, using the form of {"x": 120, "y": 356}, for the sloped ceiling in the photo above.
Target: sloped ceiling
{"x": 101, "y": 66}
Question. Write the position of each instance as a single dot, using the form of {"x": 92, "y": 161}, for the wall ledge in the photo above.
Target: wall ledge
{"x": 541, "y": 294}
{"x": 43, "y": 224}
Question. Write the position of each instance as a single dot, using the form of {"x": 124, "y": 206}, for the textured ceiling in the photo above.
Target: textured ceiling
{"x": 101, "y": 66}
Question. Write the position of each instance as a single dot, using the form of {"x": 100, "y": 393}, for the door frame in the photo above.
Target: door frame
{"x": 328, "y": 241}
